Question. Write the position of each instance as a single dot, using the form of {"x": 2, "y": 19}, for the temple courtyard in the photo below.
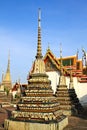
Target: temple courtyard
{"x": 75, "y": 122}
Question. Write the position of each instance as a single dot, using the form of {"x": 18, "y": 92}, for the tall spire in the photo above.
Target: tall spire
{"x": 77, "y": 53}
{"x": 62, "y": 79}
{"x": 39, "y": 65}
{"x": 61, "y": 69}
{"x": 2, "y": 75}
{"x": 8, "y": 66}
{"x": 7, "y": 75}
{"x": 48, "y": 46}
{"x": 39, "y": 49}
{"x": 7, "y": 78}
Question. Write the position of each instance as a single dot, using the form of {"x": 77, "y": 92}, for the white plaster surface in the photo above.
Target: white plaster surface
{"x": 80, "y": 88}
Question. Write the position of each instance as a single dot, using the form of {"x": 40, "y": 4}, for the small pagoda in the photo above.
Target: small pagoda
{"x": 62, "y": 93}
{"x": 5, "y": 87}
{"x": 38, "y": 109}
{"x": 6, "y": 81}
{"x": 73, "y": 96}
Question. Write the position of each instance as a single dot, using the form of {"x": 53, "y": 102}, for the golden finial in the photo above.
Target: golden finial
{"x": 71, "y": 79}
{"x": 48, "y": 46}
{"x": 77, "y": 53}
{"x": 19, "y": 80}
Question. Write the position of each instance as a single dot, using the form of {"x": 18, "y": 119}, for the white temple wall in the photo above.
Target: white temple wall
{"x": 83, "y": 93}
{"x": 80, "y": 88}
{"x": 54, "y": 77}
{"x": 14, "y": 93}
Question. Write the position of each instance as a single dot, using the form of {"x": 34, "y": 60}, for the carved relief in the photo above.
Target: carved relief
{"x": 50, "y": 66}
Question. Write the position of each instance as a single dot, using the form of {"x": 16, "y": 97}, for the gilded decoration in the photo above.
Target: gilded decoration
{"x": 50, "y": 66}
{"x": 38, "y": 104}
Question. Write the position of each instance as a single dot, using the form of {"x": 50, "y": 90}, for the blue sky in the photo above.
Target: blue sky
{"x": 62, "y": 21}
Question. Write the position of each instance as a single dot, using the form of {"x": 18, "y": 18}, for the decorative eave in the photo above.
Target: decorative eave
{"x": 15, "y": 87}
{"x": 83, "y": 79}
{"x": 49, "y": 52}
{"x": 68, "y": 57}
{"x": 54, "y": 60}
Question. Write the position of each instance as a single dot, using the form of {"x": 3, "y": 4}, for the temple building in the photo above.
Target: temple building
{"x": 16, "y": 90}
{"x": 79, "y": 76}
{"x": 38, "y": 108}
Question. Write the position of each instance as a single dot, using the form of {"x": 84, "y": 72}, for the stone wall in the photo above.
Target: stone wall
{"x": 54, "y": 77}
{"x": 15, "y": 125}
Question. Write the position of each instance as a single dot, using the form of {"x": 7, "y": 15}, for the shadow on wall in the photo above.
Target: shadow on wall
{"x": 83, "y": 100}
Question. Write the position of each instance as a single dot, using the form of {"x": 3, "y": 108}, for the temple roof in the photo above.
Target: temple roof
{"x": 78, "y": 70}
{"x": 15, "y": 87}
{"x": 54, "y": 60}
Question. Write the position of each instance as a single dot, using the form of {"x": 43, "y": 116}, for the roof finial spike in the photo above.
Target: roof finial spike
{"x": 2, "y": 75}
{"x": 77, "y": 53}
{"x": 61, "y": 65}
{"x": 70, "y": 62}
{"x": 60, "y": 50}
{"x": 71, "y": 86}
{"x": 48, "y": 46}
{"x": 71, "y": 79}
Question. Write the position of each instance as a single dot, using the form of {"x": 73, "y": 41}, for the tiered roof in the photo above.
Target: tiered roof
{"x": 53, "y": 64}
{"x": 50, "y": 59}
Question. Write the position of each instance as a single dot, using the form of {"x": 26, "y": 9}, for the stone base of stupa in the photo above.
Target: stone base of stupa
{"x": 67, "y": 112}
{"x": 19, "y": 125}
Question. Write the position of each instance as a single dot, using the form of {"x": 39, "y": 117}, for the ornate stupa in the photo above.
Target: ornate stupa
{"x": 38, "y": 109}
{"x": 5, "y": 88}
{"x": 62, "y": 92}
{"x": 6, "y": 82}
{"x": 73, "y": 96}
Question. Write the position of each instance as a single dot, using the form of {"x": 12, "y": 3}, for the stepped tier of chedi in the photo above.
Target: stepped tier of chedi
{"x": 74, "y": 97}
{"x": 39, "y": 107}
{"x": 39, "y": 103}
{"x": 5, "y": 100}
{"x": 62, "y": 93}
{"x": 79, "y": 70}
